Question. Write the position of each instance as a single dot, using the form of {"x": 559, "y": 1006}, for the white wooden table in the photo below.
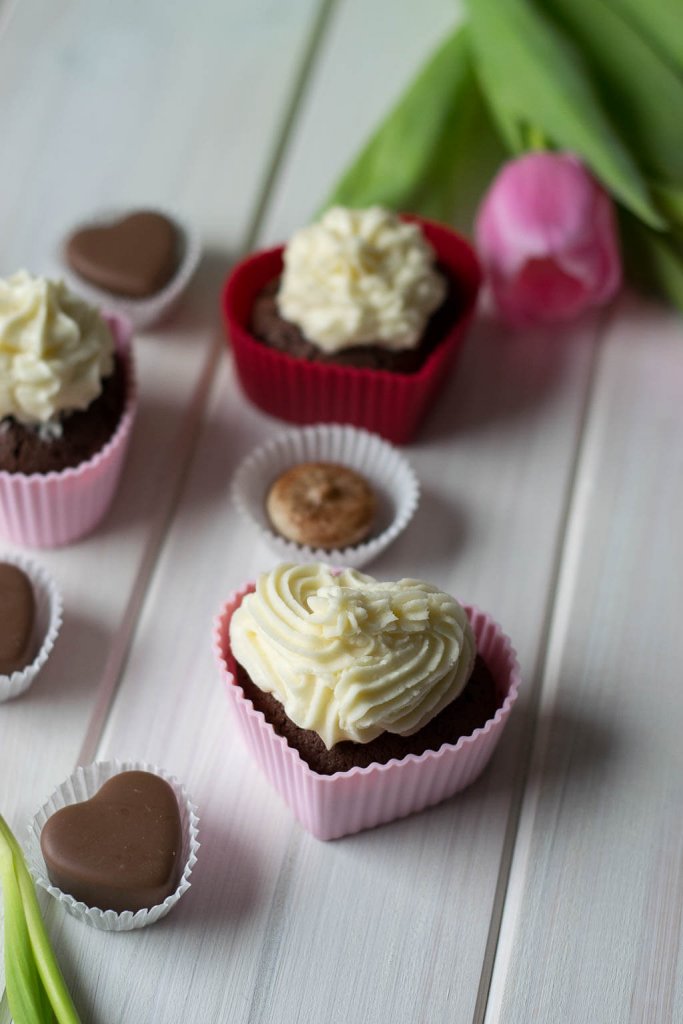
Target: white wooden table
{"x": 552, "y": 890}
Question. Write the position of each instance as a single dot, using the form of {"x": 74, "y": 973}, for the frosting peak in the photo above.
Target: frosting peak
{"x": 54, "y": 349}
{"x": 360, "y": 276}
{"x": 350, "y": 657}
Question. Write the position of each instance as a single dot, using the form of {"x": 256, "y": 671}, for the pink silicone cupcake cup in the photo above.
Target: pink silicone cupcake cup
{"x": 392, "y": 405}
{"x": 46, "y": 510}
{"x": 330, "y": 806}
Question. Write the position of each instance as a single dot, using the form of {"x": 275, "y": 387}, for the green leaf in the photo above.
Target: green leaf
{"x": 641, "y": 92}
{"x": 26, "y": 996}
{"x": 658, "y": 21}
{"x": 670, "y": 201}
{"x": 654, "y": 261}
{"x": 534, "y": 75}
{"x": 452, "y": 187}
{"x": 423, "y": 156}
{"x": 36, "y": 979}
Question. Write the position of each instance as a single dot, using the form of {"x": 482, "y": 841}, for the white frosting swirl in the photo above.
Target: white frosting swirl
{"x": 350, "y": 657}
{"x": 360, "y": 276}
{"x": 54, "y": 349}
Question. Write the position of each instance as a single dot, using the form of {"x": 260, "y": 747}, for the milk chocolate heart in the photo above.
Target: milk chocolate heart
{"x": 121, "y": 849}
{"x": 133, "y": 257}
{"x": 17, "y": 614}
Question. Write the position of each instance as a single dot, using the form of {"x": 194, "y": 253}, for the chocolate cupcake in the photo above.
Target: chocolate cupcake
{"x": 355, "y": 321}
{"x": 359, "y": 288}
{"x": 363, "y": 701}
{"x": 66, "y": 408}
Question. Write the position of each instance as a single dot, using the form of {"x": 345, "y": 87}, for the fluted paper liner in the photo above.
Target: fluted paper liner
{"x": 83, "y": 784}
{"x": 147, "y": 311}
{"x": 48, "y": 620}
{"x": 386, "y": 470}
{"x": 47, "y": 510}
{"x": 330, "y": 806}
{"x": 301, "y": 391}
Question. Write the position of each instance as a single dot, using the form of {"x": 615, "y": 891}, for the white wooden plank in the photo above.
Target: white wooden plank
{"x": 275, "y": 963}
{"x": 362, "y": 68}
{"x": 393, "y": 924}
{"x": 593, "y": 924}
{"x": 81, "y": 71}
{"x": 105, "y": 104}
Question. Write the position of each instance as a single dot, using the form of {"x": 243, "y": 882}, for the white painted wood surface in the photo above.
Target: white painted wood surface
{"x": 594, "y": 917}
{"x": 552, "y": 481}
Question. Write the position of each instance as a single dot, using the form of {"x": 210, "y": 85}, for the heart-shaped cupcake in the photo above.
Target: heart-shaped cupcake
{"x": 121, "y": 849}
{"x": 134, "y": 256}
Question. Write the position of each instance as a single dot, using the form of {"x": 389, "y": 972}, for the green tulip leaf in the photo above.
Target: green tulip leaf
{"x": 435, "y": 146}
{"x": 533, "y": 74}
{"x": 36, "y": 992}
{"x": 658, "y": 21}
{"x": 653, "y": 261}
{"x": 669, "y": 199}
{"x": 26, "y": 996}
{"x": 641, "y": 92}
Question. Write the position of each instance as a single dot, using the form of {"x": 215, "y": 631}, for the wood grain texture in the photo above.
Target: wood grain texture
{"x": 538, "y": 465}
{"x": 128, "y": 104}
{"x": 362, "y": 67}
{"x": 170, "y": 360}
{"x": 393, "y": 924}
{"x": 593, "y": 922}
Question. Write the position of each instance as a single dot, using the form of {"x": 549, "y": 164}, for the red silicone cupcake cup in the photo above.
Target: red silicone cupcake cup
{"x": 330, "y": 806}
{"x": 47, "y": 510}
{"x": 390, "y": 404}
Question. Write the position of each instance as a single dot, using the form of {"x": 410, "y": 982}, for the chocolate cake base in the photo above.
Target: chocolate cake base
{"x": 477, "y": 703}
{"x": 25, "y": 449}
{"x": 273, "y": 330}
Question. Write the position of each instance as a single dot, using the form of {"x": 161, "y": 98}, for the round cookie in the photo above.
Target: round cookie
{"x": 322, "y": 505}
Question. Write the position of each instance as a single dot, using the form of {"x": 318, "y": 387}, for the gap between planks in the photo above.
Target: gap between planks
{"x": 565, "y": 559}
{"x": 188, "y": 433}
{"x": 189, "y": 429}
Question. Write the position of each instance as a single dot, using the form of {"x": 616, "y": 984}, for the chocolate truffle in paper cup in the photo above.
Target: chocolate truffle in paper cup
{"x": 64, "y": 435}
{"x": 31, "y": 617}
{"x": 361, "y": 701}
{"x": 137, "y": 262}
{"x": 116, "y": 844}
{"x": 357, "y": 320}
{"x": 386, "y": 472}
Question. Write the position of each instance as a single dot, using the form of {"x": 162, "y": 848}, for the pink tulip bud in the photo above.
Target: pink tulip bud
{"x": 546, "y": 236}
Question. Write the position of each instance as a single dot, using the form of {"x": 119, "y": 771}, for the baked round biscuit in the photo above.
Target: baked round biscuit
{"x": 322, "y": 505}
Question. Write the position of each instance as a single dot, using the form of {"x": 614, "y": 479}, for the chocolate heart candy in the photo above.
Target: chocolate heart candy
{"x": 133, "y": 257}
{"x": 17, "y": 615}
{"x": 121, "y": 849}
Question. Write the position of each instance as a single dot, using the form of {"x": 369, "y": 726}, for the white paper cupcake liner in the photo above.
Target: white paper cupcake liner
{"x": 46, "y": 626}
{"x": 386, "y": 470}
{"x": 141, "y": 312}
{"x": 82, "y": 785}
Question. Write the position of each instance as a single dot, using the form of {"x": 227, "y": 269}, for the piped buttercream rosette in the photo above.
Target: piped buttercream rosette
{"x": 350, "y": 657}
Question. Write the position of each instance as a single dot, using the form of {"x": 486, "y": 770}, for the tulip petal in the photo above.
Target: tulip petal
{"x": 547, "y": 238}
